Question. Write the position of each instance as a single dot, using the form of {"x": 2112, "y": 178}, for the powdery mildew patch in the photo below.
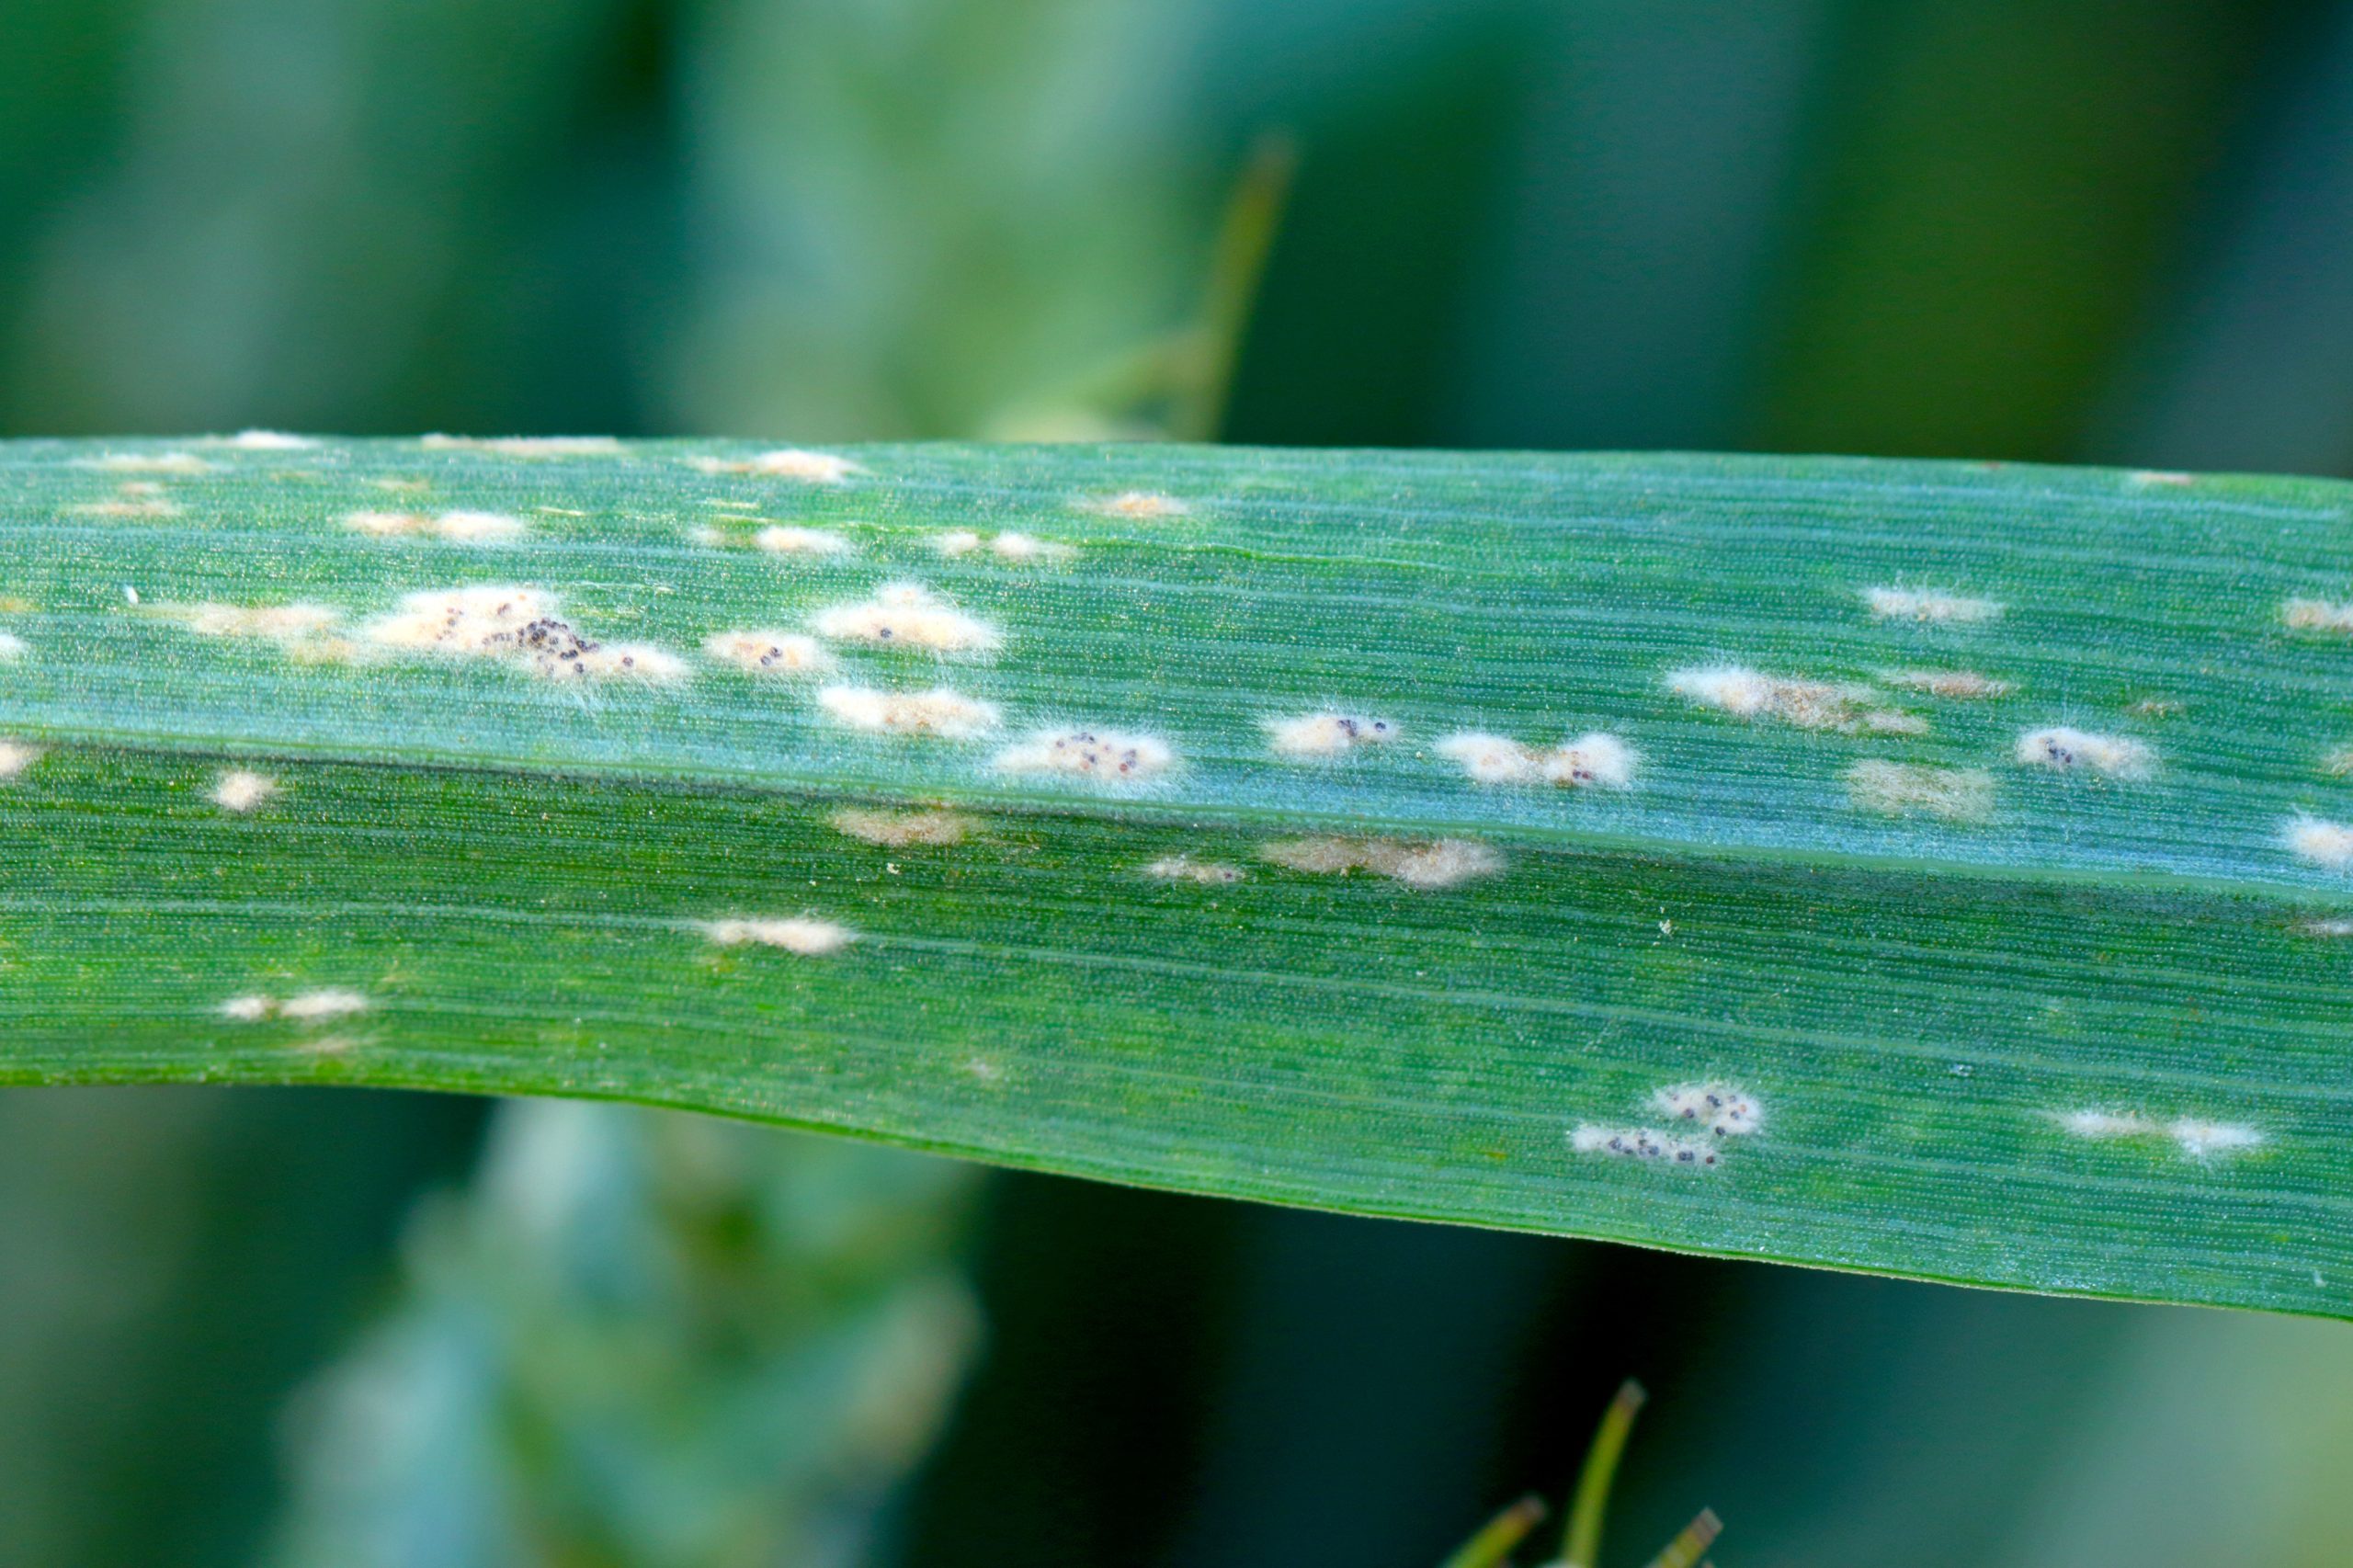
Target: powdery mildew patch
{"x": 307, "y": 1007}
{"x": 141, "y": 500}
{"x": 1590, "y": 761}
{"x": 2072, "y": 750}
{"x": 2320, "y": 841}
{"x": 1928, "y": 605}
{"x": 1110, "y": 757}
{"x": 2196, "y": 1137}
{"x": 1644, "y": 1143}
{"x": 1427, "y": 864}
{"x": 908, "y": 615}
{"x": 2152, "y": 476}
{"x": 763, "y": 652}
{"x": 801, "y": 934}
{"x": 939, "y": 711}
{"x": 1325, "y": 734}
{"x": 1184, "y": 869}
{"x": 181, "y": 463}
{"x": 904, "y": 830}
{"x": 530, "y": 449}
{"x": 1145, "y": 506}
{"x": 1900, "y": 788}
{"x": 451, "y": 527}
{"x": 242, "y": 791}
{"x": 1724, "y": 1110}
{"x": 16, "y": 757}
{"x": 518, "y": 625}
{"x": 784, "y": 462}
{"x": 1018, "y": 548}
{"x": 1846, "y": 706}
{"x": 12, "y": 647}
{"x": 270, "y": 441}
{"x": 791, "y": 538}
{"x": 1965, "y": 686}
{"x": 2317, "y": 615}
{"x": 2338, "y": 763}
{"x": 304, "y": 632}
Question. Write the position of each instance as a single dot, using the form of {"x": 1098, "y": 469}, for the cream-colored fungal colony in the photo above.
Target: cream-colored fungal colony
{"x": 1966, "y": 686}
{"x": 908, "y": 615}
{"x": 2161, "y": 477}
{"x": 1590, "y": 761}
{"x": 518, "y": 625}
{"x": 904, "y": 830}
{"x": 290, "y": 626}
{"x": 1928, "y": 605}
{"x": 15, "y": 757}
{"x": 764, "y": 653}
{"x": 784, "y": 462}
{"x": 451, "y": 527}
{"x": 938, "y": 711}
{"x": 307, "y": 1007}
{"x": 1724, "y": 1110}
{"x": 241, "y": 790}
{"x": 801, "y": 934}
{"x": 1184, "y": 869}
{"x": 1144, "y": 506}
{"x": 1019, "y": 547}
{"x": 2317, "y": 615}
{"x": 185, "y": 464}
{"x": 1849, "y": 708}
{"x": 2072, "y": 750}
{"x": 1902, "y": 789}
{"x": 270, "y": 441}
{"x": 2338, "y": 763}
{"x": 1644, "y": 1143}
{"x": 12, "y": 647}
{"x": 1427, "y": 864}
{"x": 788, "y": 538}
{"x": 2321, "y": 842}
{"x": 140, "y": 500}
{"x": 1327, "y": 734}
{"x": 530, "y": 449}
{"x": 2196, "y": 1137}
{"x": 1110, "y": 757}
{"x": 1704, "y": 1115}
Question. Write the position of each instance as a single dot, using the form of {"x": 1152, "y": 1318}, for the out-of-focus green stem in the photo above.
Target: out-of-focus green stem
{"x": 1687, "y": 1546}
{"x": 1581, "y": 1542}
{"x": 1495, "y": 1540}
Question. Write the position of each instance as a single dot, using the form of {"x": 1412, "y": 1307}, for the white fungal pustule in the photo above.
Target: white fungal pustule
{"x": 801, "y": 934}
{"x": 1325, "y": 734}
{"x": 1590, "y": 761}
{"x": 185, "y": 464}
{"x": 1849, "y": 708}
{"x": 791, "y": 538}
{"x": 1184, "y": 869}
{"x": 1108, "y": 756}
{"x": 1018, "y": 548}
{"x": 904, "y": 830}
{"x": 2334, "y": 615}
{"x": 2197, "y": 1137}
{"x": 784, "y": 462}
{"x": 451, "y": 527}
{"x": 763, "y": 652}
{"x": 519, "y": 626}
{"x": 270, "y": 441}
{"x": 1965, "y": 686}
{"x": 241, "y": 790}
{"x": 2164, "y": 477}
{"x": 1724, "y": 1110}
{"x": 1144, "y": 505}
{"x": 2333, "y": 930}
{"x": 530, "y": 449}
{"x": 938, "y": 711}
{"x": 1928, "y": 605}
{"x": 908, "y": 615}
{"x": 12, "y": 647}
{"x": 306, "y": 1006}
{"x": 1644, "y": 1143}
{"x": 1903, "y": 789}
{"x": 2072, "y": 750}
{"x": 269, "y": 623}
{"x": 1426, "y": 864}
{"x": 16, "y": 757}
{"x": 2338, "y": 763}
{"x": 140, "y": 499}
{"x": 2320, "y": 841}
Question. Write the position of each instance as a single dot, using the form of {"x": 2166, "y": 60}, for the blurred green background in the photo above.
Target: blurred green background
{"x": 305, "y": 1328}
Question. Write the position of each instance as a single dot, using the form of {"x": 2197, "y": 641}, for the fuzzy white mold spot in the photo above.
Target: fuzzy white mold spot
{"x": 270, "y": 441}
{"x": 517, "y": 625}
{"x": 270, "y": 623}
{"x": 908, "y": 615}
{"x": 1590, "y": 761}
{"x": 241, "y": 790}
{"x": 530, "y": 449}
{"x": 12, "y": 647}
{"x": 785, "y": 539}
{"x": 1722, "y": 1108}
{"x": 904, "y": 830}
{"x": 1846, "y": 706}
{"x": 2156, "y": 708}
{"x": 251, "y": 1009}
{"x": 181, "y": 463}
{"x": 1184, "y": 869}
{"x": 1644, "y": 1143}
{"x": 1142, "y": 506}
{"x": 452, "y": 528}
{"x": 2330, "y": 930}
{"x": 140, "y": 498}
{"x": 2152, "y": 476}
{"x": 2317, "y": 615}
{"x": 770, "y": 653}
{"x": 1111, "y": 756}
{"x": 1018, "y": 548}
{"x": 1426, "y": 864}
{"x": 1965, "y": 686}
{"x": 2338, "y": 763}
{"x": 2202, "y": 1139}
{"x": 784, "y": 462}
{"x": 2197, "y": 1137}
{"x": 307, "y": 1007}
{"x": 2071, "y": 750}
{"x": 1326, "y": 734}
{"x": 801, "y": 934}
{"x": 938, "y": 711}
{"x": 2321, "y": 842}
{"x": 1902, "y": 789}
{"x": 1928, "y": 605}
{"x": 15, "y": 757}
